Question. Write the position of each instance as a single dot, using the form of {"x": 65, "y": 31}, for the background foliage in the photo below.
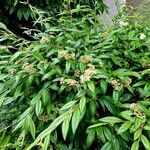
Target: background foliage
{"x": 17, "y": 14}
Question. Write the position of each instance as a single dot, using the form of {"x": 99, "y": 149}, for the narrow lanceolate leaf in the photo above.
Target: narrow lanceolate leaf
{"x": 75, "y": 120}
{"x": 103, "y": 86}
{"x": 19, "y": 125}
{"x": 97, "y": 125}
{"x": 124, "y": 127}
{"x": 82, "y": 103}
{"x": 49, "y": 74}
{"x": 16, "y": 55}
{"x": 137, "y": 134}
{"x": 147, "y": 128}
{"x": 145, "y": 142}
{"x": 2, "y": 98}
{"x": 65, "y": 127}
{"x": 38, "y": 107}
{"x": 46, "y": 142}
{"x": 135, "y": 145}
{"x": 68, "y": 105}
{"x": 111, "y": 120}
{"x": 138, "y": 122}
{"x": 32, "y": 128}
{"x": 115, "y": 96}
{"x": 48, "y": 130}
{"x": 127, "y": 115}
{"x": 68, "y": 67}
{"x": 45, "y": 96}
{"x": 90, "y": 138}
{"x": 91, "y": 86}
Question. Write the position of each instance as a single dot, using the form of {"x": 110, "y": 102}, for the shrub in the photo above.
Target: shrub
{"x": 78, "y": 87}
{"x": 17, "y": 14}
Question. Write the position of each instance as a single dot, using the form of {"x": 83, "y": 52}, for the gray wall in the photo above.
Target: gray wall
{"x": 134, "y": 3}
{"x": 107, "y": 18}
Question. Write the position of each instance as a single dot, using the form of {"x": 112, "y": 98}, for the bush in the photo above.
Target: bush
{"x": 17, "y": 14}
{"x": 78, "y": 87}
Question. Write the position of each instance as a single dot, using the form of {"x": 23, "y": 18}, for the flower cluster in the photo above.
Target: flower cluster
{"x": 127, "y": 82}
{"x": 137, "y": 111}
{"x": 42, "y": 62}
{"x": 72, "y": 82}
{"x": 142, "y": 36}
{"x": 44, "y": 118}
{"x": 118, "y": 85}
{"x": 145, "y": 63}
{"x": 77, "y": 73}
{"x": 29, "y": 68}
{"x": 69, "y": 82}
{"x": 123, "y": 24}
{"x": 104, "y": 34}
{"x": 66, "y": 55}
{"x": 87, "y": 73}
{"x": 86, "y": 59}
{"x": 44, "y": 40}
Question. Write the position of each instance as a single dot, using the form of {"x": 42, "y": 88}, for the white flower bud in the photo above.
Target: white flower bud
{"x": 142, "y": 36}
{"x": 123, "y": 24}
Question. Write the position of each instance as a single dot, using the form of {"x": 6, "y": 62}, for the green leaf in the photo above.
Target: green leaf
{"x": 46, "y": 142}
{"x": 48, "y": 75}
{"x": 96, "y": 125}
{"x": 138, "y": 122}
{"x": 135, "y": 145}
{"x": 82, "y": 103}
{"x": 19, "y": 125}
{"x": 38, "y": 107}
{"x": 2, "y": 98}
{"x": 110, "y": 120}
{"x": 26, "y": 124}
{"x": 5, "y": 141}
{"x": 139, "y": 83}
{"x": 65, "y": 127}
{"x": 147, "y": 128}
{"x": 145, "y": 142}
{"x": 107, "y": 134}
{"x": 144, "y": 109}
{"x": 48, "y": 130}
{"x": 75, "y": 120}
{"x": 127, "y": 115}
{"x": 91, "y": 86}
{"x": 137, "y": 134}
{"x": 116, "y": 144}
{"x": 3, "y": 26}
{"x": 68, "y": 64}
{"x": 16, "y": 55}
{"x": 106, "y": 146}
{"x": 45, "y": 96}
{"x": 103, "y": 86}
{"x": 37, "y": 55}
{"x": 92, "y": 107}
{"x": 90, "y": 138}
{"x": 32, "y": 128}
{"x": 115, "y": 96}
{"x": 68, "y": 105}
{"x": 125, "y": 126}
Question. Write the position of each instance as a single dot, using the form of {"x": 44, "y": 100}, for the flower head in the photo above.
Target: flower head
{"x": 88, "y": 73}
{"x": 123, "y": 24}
{"x": 44, "y": 40}
{"x": 142, "y": 36}
{"x": 86, "y": 59}
{"x": 29, "y": 68}
{"x": 66, "y": 55}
